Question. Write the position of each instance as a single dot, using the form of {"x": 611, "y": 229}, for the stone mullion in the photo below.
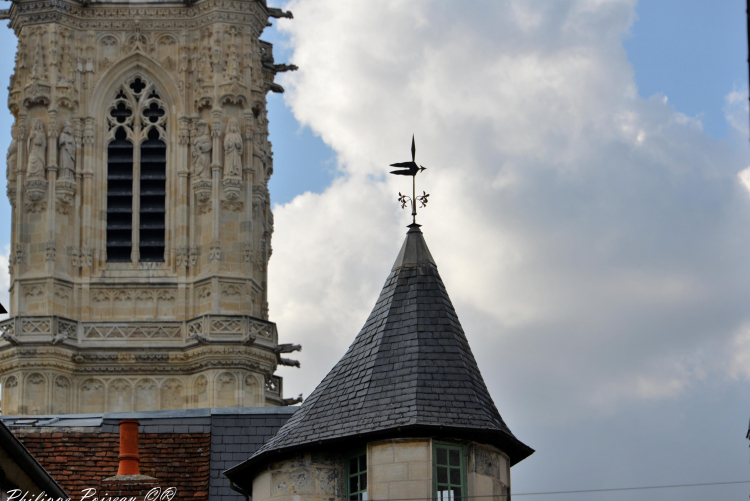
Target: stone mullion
{"x": 49, "y": 264}
{"x": 87, "y": 233}
{"x": 247, "y": 214}
{"x": 182, "y": 203}
{"x": 19, "y": 211}
{"x": 135, "y": 251}
{"x": 192, "y": 234}
{"x": 214, "y": 255}
{"x": 76, "y": 238}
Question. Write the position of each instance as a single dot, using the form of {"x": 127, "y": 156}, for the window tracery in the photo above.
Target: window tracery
{"x": 136, "y": 174}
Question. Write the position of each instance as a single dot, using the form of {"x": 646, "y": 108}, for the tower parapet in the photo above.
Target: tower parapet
{"x": 141, "y": 220}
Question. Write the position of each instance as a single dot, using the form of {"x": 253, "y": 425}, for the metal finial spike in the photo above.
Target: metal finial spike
{"x": 413, "y": 149}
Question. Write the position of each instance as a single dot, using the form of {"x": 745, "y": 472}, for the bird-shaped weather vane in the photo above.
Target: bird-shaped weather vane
{"x": 411, "y": 169}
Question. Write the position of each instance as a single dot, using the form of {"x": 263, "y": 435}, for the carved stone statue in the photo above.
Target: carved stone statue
{"x": 12, "y": 157}
{"x": 37, "y": 151}
{"x": 202, "y": 151}
{"x": 67, "y": 148}
{"x": 233, "y": 150}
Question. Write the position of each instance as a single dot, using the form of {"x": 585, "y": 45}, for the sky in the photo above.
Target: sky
{"x": 589, "y": 172}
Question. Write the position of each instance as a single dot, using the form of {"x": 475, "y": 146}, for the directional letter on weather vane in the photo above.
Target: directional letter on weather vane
{"x": 411, "y": 169}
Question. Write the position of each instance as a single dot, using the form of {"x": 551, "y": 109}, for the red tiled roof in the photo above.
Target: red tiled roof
{"x": 81, "y": 460}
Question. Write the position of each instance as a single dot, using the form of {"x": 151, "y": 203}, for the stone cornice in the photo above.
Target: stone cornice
{"x": 151, "y": 16}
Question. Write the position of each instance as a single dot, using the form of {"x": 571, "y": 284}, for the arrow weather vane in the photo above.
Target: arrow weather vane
{"x": 411, "y": 169}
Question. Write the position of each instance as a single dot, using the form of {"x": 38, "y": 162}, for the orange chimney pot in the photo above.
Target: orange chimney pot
{"x": 128, "y": 448}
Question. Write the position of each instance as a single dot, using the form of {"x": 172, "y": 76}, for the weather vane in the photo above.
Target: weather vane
{"x": 411, "y": 169}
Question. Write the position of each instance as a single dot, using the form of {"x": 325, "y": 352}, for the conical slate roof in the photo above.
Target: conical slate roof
{"x": 409, "y": 371}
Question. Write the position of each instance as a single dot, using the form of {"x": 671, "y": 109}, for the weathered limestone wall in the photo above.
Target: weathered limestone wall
{"x": 306, "y": 477}
{"x": 487, "y": 472}
{"x": 182, "y": 328}
{"x": 400, "y": 469}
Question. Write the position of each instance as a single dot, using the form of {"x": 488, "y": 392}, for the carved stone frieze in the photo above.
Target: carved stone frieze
{"x": 114, "y": 332}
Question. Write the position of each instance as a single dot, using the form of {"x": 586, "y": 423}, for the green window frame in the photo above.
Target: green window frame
{"x": 448, "y": 472}
{"x": 356, "y": 476}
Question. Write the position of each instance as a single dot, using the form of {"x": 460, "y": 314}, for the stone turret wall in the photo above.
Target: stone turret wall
{"x": 396, "y": 469}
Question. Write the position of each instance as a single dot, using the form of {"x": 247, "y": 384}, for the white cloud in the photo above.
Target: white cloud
{"x": 586, "y": 235}
{"x": 736, "y": 111}
{"x": 740, "y": 353}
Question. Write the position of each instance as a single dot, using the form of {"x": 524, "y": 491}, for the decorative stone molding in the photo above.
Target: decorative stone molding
{"x": 87, "y": 257}
{"x": 36, "y": 189}
{"x": 181, "y": 257}
{"x": 214, "y": 254}
{"x": 33, "y": 291}
{"x": 247, "y": 250}
{"x": 204, "y": 292}
{"x": 17, "y": 257}
{"x": 65, "y": 190}
{"x": 12, "y": 192}
{"x": 232, "y": 205}
{"x": 75, "y": 257}
{"x": 231, "y": 290}
{"x": 193, "y": 255}
{"x": 50, "y": 251}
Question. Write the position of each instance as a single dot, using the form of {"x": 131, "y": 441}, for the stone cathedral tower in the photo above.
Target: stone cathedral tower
{"x": 141, "y": 229}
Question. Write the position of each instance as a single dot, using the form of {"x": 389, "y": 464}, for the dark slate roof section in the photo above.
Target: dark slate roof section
{"x": 234, "y": 437}
{"x": 410, "y": 367}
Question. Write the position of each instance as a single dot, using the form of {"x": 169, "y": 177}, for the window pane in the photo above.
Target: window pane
{"x": 119, "y": 198}
{"x": 442, "y": 475}
{"x": 353, "y": 484}
{"x": 153, "y": 195}
{"x": 455, "y": 457}
{"x": 457, "y": 494}
{"x": 455, "y": 476}
{"x": 363, "y": 462}
{"x": 442, "y": 456}
{"x": 363, "y": 481}
{"x": 353, "y": 466}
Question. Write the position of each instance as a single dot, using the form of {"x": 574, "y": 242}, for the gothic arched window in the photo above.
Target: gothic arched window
{"x": 136, "y": 174}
